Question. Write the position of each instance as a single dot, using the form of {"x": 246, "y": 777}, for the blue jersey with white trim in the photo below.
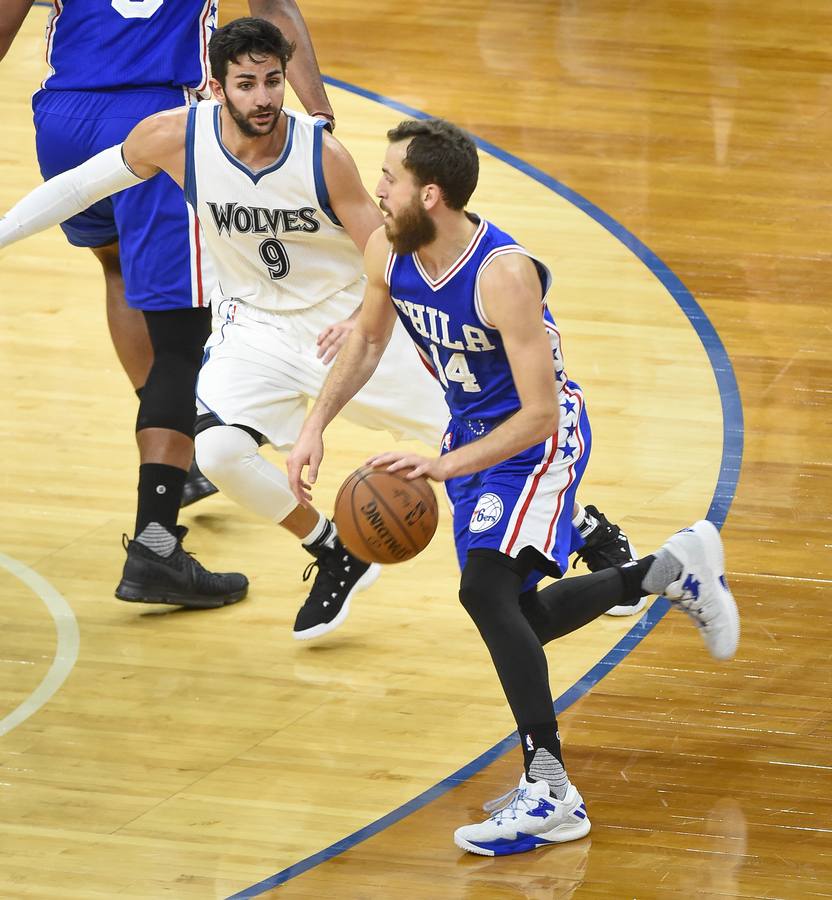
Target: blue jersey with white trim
{"x": 99, "y": 45}
{"x": 444, "y": 317}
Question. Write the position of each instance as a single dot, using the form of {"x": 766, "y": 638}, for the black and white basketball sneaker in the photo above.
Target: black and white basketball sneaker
{"x": 340, "y": 576}
{"x": 178, "y": 579}
{"x": 607, "y": 545}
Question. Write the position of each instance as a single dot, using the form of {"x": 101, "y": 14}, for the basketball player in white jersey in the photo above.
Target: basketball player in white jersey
{"x": 286, "y": 219}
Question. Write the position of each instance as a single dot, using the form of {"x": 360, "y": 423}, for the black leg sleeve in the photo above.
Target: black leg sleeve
{"x": 567, "y": 605}
{"x": 490, "y": 592}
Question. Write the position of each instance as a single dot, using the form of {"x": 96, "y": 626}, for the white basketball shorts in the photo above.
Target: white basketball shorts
{"x": 261, "y": 368}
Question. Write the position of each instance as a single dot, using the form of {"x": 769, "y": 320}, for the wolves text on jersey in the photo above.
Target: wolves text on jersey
{"x": 434, "y": 325}
{"x": 230, "y": 217}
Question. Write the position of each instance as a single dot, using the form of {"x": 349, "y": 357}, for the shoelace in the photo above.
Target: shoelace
{"x": 613, "y": 532}
{"x": 329, "y": 579}
{"x": 509, "y": 803}
{"x": 697, "y": 613}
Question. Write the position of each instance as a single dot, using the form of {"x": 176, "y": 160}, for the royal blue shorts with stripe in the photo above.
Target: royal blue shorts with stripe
{"x": 525, "y": 501}
{"x": 158, "y": 238}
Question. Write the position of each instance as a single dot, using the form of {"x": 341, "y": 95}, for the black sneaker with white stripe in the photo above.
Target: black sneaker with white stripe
{"x": 340, "y": 576}
{"x": 607, "y": 545}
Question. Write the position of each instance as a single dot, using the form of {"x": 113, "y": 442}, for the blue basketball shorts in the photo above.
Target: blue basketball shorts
{"x": 162, "y": 259}
{"x": 524, "y": 504}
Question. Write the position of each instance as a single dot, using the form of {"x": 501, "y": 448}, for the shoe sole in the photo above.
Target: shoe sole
{"x": 197, "y": 495}
{"x": 370, "y": 576}
{"x": 135, "y": 593}
{"x": 560, "y": 835}
{"x": 714, "y": 560}
{"x": 625, "y": 609}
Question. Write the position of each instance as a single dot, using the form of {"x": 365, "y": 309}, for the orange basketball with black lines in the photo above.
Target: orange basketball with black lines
{"x": 384, "y": 517}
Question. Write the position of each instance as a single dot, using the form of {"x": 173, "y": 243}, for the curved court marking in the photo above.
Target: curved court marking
{"x": 66, "y": 650}
{"x": 723, "y": 496}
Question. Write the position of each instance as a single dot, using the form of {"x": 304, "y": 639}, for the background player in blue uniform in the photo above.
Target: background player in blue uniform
{"x": 513, "y": 456}
{"x": 112, "y": 64}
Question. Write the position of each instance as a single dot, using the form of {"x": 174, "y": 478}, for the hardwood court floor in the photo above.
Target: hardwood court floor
{"x": 193, "y": 755}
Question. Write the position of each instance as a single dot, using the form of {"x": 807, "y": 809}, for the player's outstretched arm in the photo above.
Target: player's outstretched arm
{"x": 303, "y": 72}
{"x": 355, "y": 363}
{"x": 150, "y": 147}
{"x": 12, "y": 14}
{"x": 67, "y": 194}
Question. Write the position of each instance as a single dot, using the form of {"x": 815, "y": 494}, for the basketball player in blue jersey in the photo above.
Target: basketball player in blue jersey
{"x": 474, "y": 303}
{"x": 111, "y": 64}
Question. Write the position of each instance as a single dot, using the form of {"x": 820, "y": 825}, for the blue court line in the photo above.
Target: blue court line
{"x": 732, "y": 446}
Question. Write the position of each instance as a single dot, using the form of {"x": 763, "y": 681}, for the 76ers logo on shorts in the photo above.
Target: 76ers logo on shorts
{"x": 488, "y": 512}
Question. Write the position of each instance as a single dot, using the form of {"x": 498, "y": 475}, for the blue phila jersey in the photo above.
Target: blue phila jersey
{"x": 99, "y": 45}
{"x": 446, "y": 320}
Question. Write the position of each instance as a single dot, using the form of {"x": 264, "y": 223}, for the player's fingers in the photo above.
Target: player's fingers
{"x": 405, "y": 462}
{"x": 312, "y": 474}
{"x": 328, "y": 353}
{"x": 418, "y": 471}
{"x": 324, "y": 335}
{"x": 381, "y": 459}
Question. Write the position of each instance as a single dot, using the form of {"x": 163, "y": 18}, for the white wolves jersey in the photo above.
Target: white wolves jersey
{"x": 446, "y": 320}
{"x": 275, "y": 241}
{"x": 95, "y": 45}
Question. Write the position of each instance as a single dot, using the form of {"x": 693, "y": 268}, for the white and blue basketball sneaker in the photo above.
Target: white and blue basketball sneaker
{"x": 529, "y": 817}
{"x": 702, "y": 591}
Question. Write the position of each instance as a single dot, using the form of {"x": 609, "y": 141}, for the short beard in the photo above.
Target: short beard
{"x": 241, "y": 121}
{"x": 411, "y": 229}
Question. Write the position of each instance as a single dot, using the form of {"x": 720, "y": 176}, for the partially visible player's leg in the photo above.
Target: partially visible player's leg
{"x": 604, "y": 545}
{"x": 128, "y": 331}
{"x": 253, "y": 388}
{"x": 546, "y": 807}
{"x": 157, "y": 569}
{"x": 161, "y": 262}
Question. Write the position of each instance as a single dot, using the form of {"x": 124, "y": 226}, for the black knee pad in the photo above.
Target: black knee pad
{"x": 168, "y": 398}
{"x": 489, "y": 580}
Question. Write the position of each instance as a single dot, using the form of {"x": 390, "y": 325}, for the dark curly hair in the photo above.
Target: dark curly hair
{"x": 246, "y": 37}
{"x": 440, "y": 153}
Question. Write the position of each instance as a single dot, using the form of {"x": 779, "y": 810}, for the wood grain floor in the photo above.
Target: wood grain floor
{"x": 195, "y": 755}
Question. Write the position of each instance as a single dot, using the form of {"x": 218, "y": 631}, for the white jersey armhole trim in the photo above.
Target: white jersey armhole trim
{"x": 479, "y": 308}
{"x": 388, "y": 270}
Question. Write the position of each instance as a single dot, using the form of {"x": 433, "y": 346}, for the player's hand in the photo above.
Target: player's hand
{"x": 332, "y": 338}
{"x": 432, "y": 467}
{"x": 308, "y": 451}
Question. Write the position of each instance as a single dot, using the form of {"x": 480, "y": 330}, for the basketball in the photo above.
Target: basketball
{"x": 384, "y": 517}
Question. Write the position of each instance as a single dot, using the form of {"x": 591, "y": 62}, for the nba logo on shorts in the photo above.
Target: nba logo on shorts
{"x": 487, "y": 514}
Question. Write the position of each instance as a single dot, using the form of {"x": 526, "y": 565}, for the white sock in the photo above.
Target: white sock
{"x": 323, "y": 529}
{"x": 583, "y": 521}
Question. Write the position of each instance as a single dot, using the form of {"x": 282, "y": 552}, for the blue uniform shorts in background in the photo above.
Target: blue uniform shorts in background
{"x": 158, "y": 239}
